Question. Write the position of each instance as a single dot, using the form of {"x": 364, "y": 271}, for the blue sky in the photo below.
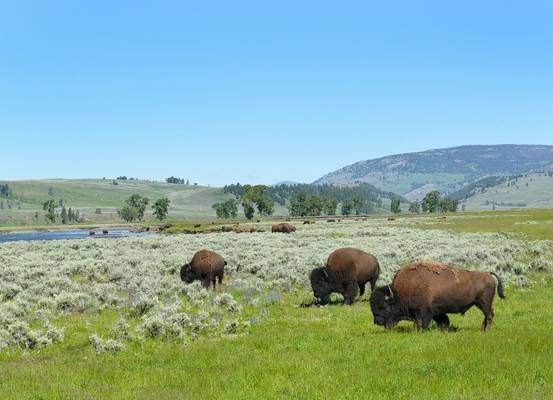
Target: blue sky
{"x": 220, "y": 92}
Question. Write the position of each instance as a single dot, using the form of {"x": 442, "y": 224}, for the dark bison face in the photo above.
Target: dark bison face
{"x": 187, "y": 275}
{"x": 320, "y": 284}
{"x": 384, "y": 307}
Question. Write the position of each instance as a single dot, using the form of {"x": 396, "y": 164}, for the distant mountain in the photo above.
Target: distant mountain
{"x": 414, "y": 174}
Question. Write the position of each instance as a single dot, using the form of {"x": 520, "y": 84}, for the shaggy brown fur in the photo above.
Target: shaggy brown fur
{"x": 422, "y": 291}
{"x": 283, "y": 228}
{"x": 347, "y": 271}
{"x": 206, "y": 266}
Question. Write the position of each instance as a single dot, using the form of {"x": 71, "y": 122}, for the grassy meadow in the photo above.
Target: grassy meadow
{"x": 187, "y": 201}
{"x": 110, "y": 319}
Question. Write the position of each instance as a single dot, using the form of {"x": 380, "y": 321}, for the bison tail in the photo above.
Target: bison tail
{"x": 500, "y": 289}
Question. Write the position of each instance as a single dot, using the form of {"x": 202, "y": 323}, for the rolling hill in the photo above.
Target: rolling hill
{"x": 533, "y": 190}
{"x": 414, "y": 174}
{"x": 187, "y": 201}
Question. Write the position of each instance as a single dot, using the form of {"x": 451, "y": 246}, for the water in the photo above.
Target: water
{"x": 70, "y": 234}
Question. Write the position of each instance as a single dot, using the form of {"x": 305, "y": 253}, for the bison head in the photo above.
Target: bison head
{"x": 320, "y": 284}
{"x": 187, "y": 274}
{"x": 385, "y": 307}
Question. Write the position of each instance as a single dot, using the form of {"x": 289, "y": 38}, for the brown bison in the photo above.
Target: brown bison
{"x": 426, "y": 291}
{"x": 206, "y": 266}
{"x": 347, "y": 271}
{"x": 283, "y": 228}
{"x": 308, "y": 222}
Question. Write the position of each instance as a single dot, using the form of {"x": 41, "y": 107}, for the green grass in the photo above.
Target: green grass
{"x": 190, "y": 202}
{"x": 536, "y": 224}
{"x": 307, "y": 353}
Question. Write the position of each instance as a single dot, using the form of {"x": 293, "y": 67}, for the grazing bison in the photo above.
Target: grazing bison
{"x": 347, "y": 271}
{"x": 426, "y": 291}
{"x": 105, "y": 232}
{"x": 308, "y": 222}
{"x": 206, "y": 266}
{"x": 283, "y": 228}
{"x": 331, "y": 220}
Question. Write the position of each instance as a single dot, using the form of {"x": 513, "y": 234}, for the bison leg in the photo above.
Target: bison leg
{"x": 220, "y": 279}
{"x": 488, "y": 315}
{"x": 423, "y": 319}
{"x": 361, "y": 289}
{"x": 373, "y": 283}
{"x": 350, "y": 292}
{"x": 442, "y": 321}
{"x": 206, "y": 281}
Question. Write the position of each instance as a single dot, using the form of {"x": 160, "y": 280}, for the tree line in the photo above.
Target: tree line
{"x": 134, "y": 208}
{"x": 304, "y": 199}
{"x": 177, "y": 181}
{"x": 252, "y": 199}
{"x": 433, "y": 202}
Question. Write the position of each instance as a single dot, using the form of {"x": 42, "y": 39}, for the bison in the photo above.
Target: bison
{"x": 426, "y": 291}
{"x": 206, "y": 266}
{"x": 283, "y": 228}
{"x": 347, "y": 271}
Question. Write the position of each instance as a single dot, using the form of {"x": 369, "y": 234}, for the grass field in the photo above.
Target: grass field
{"x": 191, "y": 202}
{"x": 285, "y": 350}
{"x": 535, "y": 224}
{"x": 188, "y": 202}
{"x": 309, "y": 353}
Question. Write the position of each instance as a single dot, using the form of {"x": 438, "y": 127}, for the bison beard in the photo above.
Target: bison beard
{"x": 426, "y": 291}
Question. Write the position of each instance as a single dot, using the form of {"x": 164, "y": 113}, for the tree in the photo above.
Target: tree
{"x": 249, "y": 209}
{"x": 395, "y": 207}
{"x": 50, "y": 207}
{"x": 138, "y": 202}
{"x": 358, "y": 204}
{"x": 297, "y": 206}
{"x": 431, "y": 202}
{"x": 128, "y": 213}
{"x": 226, "y": 209}
{"x": 161, "y": 208}
{"x": 133, "y": 208}
{"x": 5, "y": 191}
{"x": 330, "y": 206}
{"x": 447, "y": 204}
{"x": 347, "y": 207}
{"x": 177, "y": 181}
{"x": 64, "y": 219}
{"x": 415, "y": 207}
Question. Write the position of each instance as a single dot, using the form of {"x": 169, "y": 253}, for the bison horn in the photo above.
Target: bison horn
{"x": 391, "y": 292}
{"x": 325, "y": 273}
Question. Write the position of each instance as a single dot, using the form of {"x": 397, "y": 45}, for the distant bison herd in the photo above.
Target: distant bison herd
{"x": 420, "y": 292}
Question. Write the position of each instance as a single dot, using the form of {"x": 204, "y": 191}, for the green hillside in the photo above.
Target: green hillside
{"x": 187, "y": 202}
{"x": 528, "y": 191}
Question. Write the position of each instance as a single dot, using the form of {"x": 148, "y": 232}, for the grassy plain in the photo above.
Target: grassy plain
{"x": 331, "y": 352}
{"x": 308, "y": 353}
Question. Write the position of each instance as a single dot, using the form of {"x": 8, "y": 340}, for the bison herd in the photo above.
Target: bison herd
{"x": 420, "y": 292}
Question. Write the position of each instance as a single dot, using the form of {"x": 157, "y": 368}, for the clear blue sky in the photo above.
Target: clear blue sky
{"x": 220, "y": 92}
